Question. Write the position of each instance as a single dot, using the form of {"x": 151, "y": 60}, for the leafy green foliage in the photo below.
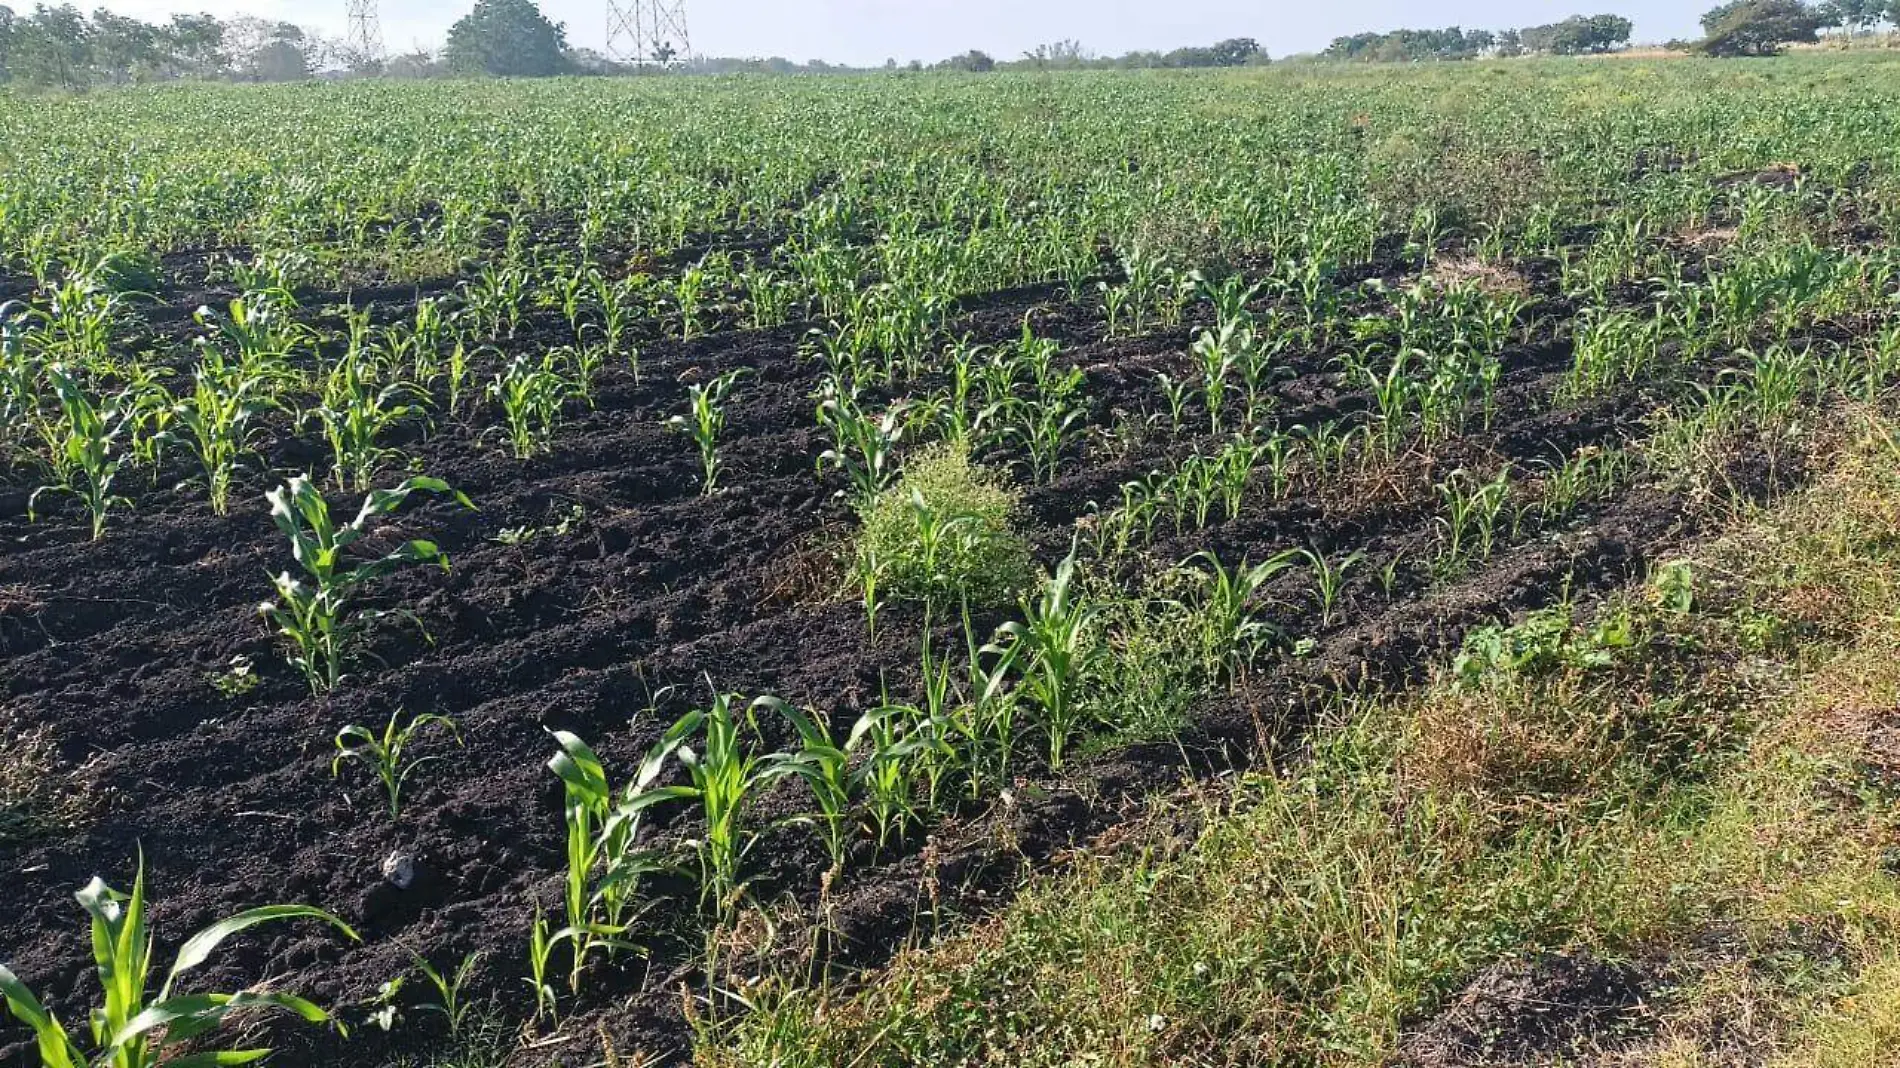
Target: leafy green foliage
{"x": 317, "y": 614}
{"x": 384, "y": 754}
{"x": 133, "y": 1027}
{"x": 506, "y": 39}
{"x": 945, "y": 533}
{"x": 1759, "y": 27}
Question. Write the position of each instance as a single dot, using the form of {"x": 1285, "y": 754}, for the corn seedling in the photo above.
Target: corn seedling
{"x": 134, "y": 1028}
{"x": 605, "y": 862}
{"x": 215, "y": 422}
{"x": 316, "y": 614}
{"x": 88, "y": 445}
{"x": 383, "y": 753}
{"x": 865, "y": 446}
{"x": 531, "y": 393}
{"x": 725, "y": 775}
{"x": 1052, "y": 644}
{"x": 1469, "y": 524}
{"x": 705, "y": 420}
{"x": 541, "y": 945}
{"x": 449, "y": 1003}
{"x": 825, "y": 768}
{"x": 1177, "y": 394}
{"x": 354, "y": 414}
{"x": 1329, "y": 580}
{"x": 1233, "y": 638}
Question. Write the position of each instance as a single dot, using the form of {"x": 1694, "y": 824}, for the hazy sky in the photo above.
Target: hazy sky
{"x": 869, "y": 31}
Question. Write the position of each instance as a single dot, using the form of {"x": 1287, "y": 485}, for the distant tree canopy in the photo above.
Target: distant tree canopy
{"x": 60, "y": 48}
{"x": 507, "y": 38}
{"x": 1856, "y": 15}
{"x": 1070, "y": 55}
{"x": 1574, "y": 36}
{"x": 1761, "y": 27}
{"x": 973, "y": 61}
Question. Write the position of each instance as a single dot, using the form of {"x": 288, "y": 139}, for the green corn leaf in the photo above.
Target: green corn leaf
{"x": 201, "y": 945}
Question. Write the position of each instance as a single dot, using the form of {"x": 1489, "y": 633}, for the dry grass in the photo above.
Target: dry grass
{"x": 34, "y": 796}
{"x": 1496, "y": 279}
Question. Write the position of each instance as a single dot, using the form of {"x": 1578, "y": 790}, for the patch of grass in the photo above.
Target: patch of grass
{"x": 946, "y": 531}
{"x": 33, "y": 799}
{"x": 486, "y": 1042}
{"x": 1648, "y": 783}
{"x": 1862, "y": 1028}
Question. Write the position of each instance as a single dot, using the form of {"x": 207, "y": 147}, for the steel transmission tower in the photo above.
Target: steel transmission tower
{"x": 365, "y": 39}
{"x": 647, "y": 32}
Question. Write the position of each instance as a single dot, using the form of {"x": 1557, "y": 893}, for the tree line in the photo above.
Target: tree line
{"x": 1577, "y": 35}
{"x": 1737, "y": 28}
{"x": 59, "y": 47}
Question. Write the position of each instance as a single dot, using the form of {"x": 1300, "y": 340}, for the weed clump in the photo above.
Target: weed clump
{"x": 945, "y": 533}
{"x": 33, "y": 802}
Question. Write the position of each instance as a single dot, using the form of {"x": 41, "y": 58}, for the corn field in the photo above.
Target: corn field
{"x": 585, "y": 541}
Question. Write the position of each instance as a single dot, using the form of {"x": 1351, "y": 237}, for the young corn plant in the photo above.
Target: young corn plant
{"x": 1329, "y": 580}
{"x": 824, "y": 765}
{"x": 1048, "y": 424}
{"x": 894, "y": 737}
{"x": 725, "y": 775}
{"x": 1177, "y": 395}
{"x": 1052, "y": 644}
{"x": 1469, "y": 525}
{"x": 88, "y": 445}
{"x": 705, "y": 421}
{"x": 135, "y": 1028}
{"x": 384, "y": 753}
{"x": 1219, "y": 354}
{"x": 1232, "y": 637}
{"x": 317, "y": 614}
{"x": 450, "y": 1003}
{"x": 215, "y": 422}
{"x": 531, "y": 393}
{"x": 354, "y": 413}
{"x": 614, "y": 305}
{"x": 605, "y": 861}
{"x": 865, "y": 446}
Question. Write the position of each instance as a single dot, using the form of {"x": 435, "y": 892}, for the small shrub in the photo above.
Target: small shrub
{"x": 945, "y": 532}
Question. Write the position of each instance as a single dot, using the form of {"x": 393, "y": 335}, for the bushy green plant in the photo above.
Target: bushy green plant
{"x": 945, "y": 532}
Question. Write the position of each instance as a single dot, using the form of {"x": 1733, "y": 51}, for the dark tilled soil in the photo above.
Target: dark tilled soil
{"x": 1551, "y": 1009}
{"x": 611, "y": 631}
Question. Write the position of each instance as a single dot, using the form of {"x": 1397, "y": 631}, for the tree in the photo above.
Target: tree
{"x": 508, "y": 39}
{"x": 973, "y": 61}
{"x": 1061, "y": 54}
{"x": 6, "y": 39}
{"x": 125, "y": 49}
{"x": 270, "y": 51}
{"x": 1235, "y": 51}
{"x": 1592, "y": 35}
{"x": 52, "y": 49}
{"x": 1759, "y": 27}
{"x": 1857, "y": 15}
{"x": 196, "y": 46}
{"x": 417, "y": 64}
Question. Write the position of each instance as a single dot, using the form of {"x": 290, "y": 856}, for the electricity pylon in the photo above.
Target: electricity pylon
{"x": 365, "y": 39}
{"x": 647, "y": 33}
